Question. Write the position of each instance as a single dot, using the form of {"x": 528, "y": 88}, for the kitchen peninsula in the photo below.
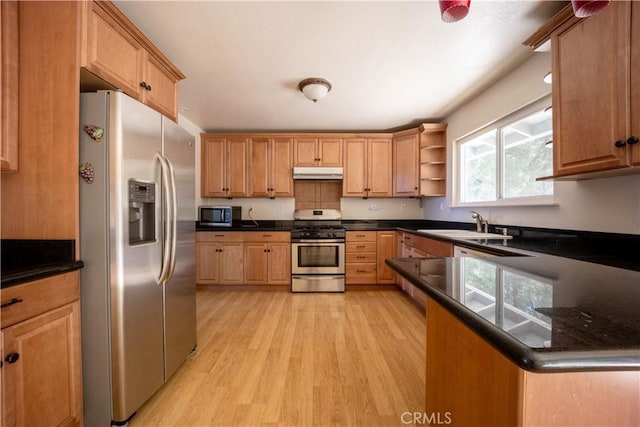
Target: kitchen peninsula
{"x": 529, "y": 341}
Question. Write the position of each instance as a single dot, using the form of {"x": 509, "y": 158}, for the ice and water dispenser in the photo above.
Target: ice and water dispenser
{"x": 142, "y": 212}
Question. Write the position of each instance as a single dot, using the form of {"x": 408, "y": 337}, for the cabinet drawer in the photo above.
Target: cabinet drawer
{"x": 363, "y": 273}
{"x": 38, "y": 297}
{"x": 267, "y": 236}
{"x": 359, "y": 257}
{"x": 355, "y": 247}
{"x": 361, "y": 236}
{"x": 219, "y": 236}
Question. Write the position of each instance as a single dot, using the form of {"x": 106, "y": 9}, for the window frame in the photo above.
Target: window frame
{"x": 497, "y": 125}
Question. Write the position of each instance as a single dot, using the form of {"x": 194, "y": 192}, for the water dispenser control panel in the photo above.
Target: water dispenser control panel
{"x": 142, "y": 212}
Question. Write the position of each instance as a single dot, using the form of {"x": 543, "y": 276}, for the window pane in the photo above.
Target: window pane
{"x": 527, "y": 156}
{"x": 478, "y": 165}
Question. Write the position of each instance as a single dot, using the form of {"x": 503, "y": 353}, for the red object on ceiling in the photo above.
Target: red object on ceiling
{"x": 454, "y": 10}
{"x": 584, "y": 8}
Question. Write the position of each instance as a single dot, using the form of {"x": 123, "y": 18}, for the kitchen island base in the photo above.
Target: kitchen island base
{"x": 478, "y": 386}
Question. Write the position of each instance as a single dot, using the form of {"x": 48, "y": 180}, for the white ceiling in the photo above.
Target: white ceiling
{"x": 391, "y": 63}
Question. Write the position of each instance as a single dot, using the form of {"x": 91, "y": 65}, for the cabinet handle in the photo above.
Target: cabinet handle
{"x": 12, "y": 358}
{"x": 267, "y": 235}
{"x": 360, "y": 246}
{"x": 360, "y": 257}
{"x": 620, "y": 143}
{"x": 360, "y": 235}
{"x": 13, "y": 301}
{"x": 632, "y": 140}
{"x": 149, "y": 88}
{"x": 143, "y": 85}
{"x": 264, "y": 250}
{"x": 361, "y": 271}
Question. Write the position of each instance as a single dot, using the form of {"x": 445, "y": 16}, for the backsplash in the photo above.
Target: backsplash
{"x": 317, "y": 194}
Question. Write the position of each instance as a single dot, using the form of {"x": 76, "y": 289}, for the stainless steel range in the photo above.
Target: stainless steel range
{"x": 317, "y": 251}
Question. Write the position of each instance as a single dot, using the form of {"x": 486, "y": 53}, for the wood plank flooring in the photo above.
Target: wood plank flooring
{"x": 275, "y": 358}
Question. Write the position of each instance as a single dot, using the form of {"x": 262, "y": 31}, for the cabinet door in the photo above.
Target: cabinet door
{"x": 590, "y": 92}
{"x": 330, "y": 152}
{"x": 44, "y": 384}
{"x": 259, "y": 167}
{"x": 213, "y": 167}
{"x": 279, "y": 264}
{"x": 236, "y": 179}
{"x": 281, "y": 167}
{"x": 355, "y": 167}
{"x": 162, "y": 88}
{"x": 405, "y": 166}
{"x": 113, "y": 54}
{"x": 635, "y": 81}
{"x": 386, "y": 247}
{"x": 208, "y": 263}
{"x": 256, "y": 261}
{"x": 9, "y": 86}
{"x": 379, "y": 168}
{"x": 232, "y": 263}
{"x": 305, "y": 152}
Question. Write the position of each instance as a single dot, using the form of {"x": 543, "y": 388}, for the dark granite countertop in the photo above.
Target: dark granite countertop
{"x": 27, "y": 260}
{"x": 613, "y": 249}
{"x": 545, "y": 313}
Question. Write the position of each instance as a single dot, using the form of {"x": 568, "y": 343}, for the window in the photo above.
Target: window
{"x": 499, "y": 164}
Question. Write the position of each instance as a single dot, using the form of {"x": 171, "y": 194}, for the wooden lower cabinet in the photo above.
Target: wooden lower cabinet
{"x": 361, "y": 258}
{"x": 472, "y": 384}
{"x": 41, "y": 355}
{"x": 386, "y": 248}
{"x": 219, "y": 258}
{"x": 414, "y": 246}
{"x": 267, "y": 258}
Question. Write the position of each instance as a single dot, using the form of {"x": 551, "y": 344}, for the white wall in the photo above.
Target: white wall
{"x": 607, "y": 205}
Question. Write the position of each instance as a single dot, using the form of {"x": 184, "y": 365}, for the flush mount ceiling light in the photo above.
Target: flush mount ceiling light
{"x": 584, "y": 8}
{"x": 454, "y": 10}
{"x": 314, "y": 88}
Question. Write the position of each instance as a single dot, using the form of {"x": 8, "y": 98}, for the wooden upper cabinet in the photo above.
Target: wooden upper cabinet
{"x": 635, "y": 81}
{"x": 9, "y": 59}
{"x": 305, "y": 152}
{"x": 379, "y": 167}
{"x": 591, "y": 90}
{"x": 162, "y": 92}
{"x": 259, "y": 176}
{"x": 224, "y": 167}
{"x": 325, "y": 152}
{"x": 236, "y": 167}
{"x": 368, "y": 167}
{"x": 270, "y": 163}
{"x": 213, "y": 167}
{"x": 112, "y": 53}
{"x": 118, "y": 53}
{"x": 406, "y": 180}
{"x": 281, "y": 155}
{"x": 330, "y": 152}
{"x": 354, "y": 182}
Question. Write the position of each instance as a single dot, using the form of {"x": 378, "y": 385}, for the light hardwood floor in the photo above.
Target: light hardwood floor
{"x": 277, "y": 358}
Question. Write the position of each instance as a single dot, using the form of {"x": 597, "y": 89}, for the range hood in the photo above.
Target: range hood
{"x": 317, "y": 173}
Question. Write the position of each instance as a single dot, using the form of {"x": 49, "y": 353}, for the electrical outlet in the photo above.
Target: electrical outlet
{"x": 403, "y": 206}
{"x": 280, "y": 208}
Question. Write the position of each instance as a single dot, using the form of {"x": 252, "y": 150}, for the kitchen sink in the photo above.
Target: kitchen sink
{"x": 464, "y": 234}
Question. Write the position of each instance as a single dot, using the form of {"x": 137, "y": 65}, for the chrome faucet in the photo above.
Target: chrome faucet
{"x": 479, "y": 221}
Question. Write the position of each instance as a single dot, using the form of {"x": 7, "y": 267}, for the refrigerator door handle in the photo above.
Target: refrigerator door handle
{"x": 173, "y": 209}
{"x": 166, "y": 226}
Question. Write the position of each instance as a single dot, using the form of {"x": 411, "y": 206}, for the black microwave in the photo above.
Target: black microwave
{"x": 220, "y": 216}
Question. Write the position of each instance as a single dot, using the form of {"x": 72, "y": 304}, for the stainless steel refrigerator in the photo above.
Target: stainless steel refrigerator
{"x": 137, "y": 240}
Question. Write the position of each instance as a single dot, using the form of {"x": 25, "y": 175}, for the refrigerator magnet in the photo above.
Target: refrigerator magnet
{"x": 94, "y": 132}
{"x": 86, "y": 172}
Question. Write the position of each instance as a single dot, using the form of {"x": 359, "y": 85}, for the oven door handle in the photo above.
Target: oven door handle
{"x": 317, "y": 241}
{"x": 317, "y": 277}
